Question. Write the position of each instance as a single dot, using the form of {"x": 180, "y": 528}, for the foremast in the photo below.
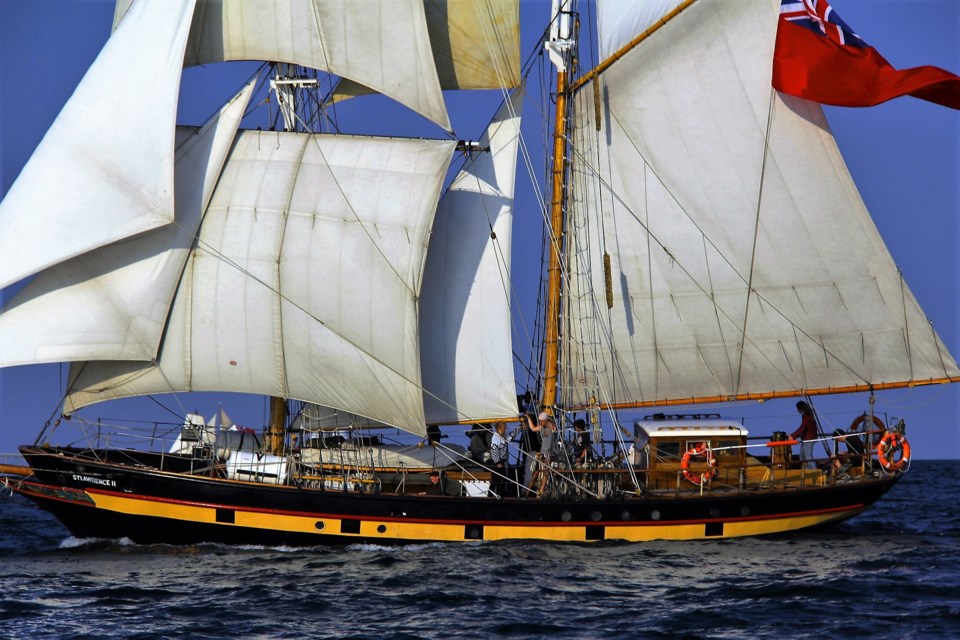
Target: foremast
{"x": 560, "y": 47}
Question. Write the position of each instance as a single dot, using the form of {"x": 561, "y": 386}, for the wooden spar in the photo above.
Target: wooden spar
{"x": 552, "y": 320}
{"x": 622, "y": 51}
{"x": 15, "y": 470}
{"x": 273, "y": 439}
{"x": 770, "y": 395}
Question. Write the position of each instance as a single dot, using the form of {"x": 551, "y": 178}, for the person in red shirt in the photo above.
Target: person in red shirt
{"x": 806, "y": 433}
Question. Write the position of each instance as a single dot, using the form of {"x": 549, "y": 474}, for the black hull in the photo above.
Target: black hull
{"x": 109, "y": 500}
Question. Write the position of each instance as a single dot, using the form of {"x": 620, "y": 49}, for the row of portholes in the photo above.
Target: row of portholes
{"x": 655, "y": 514}
{"x": 380, "y": 528}
{"x": 595, "y": 516}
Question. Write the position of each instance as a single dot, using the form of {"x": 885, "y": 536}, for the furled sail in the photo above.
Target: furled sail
{"x": 743, "y": 260}
{"x": 476, "y": 45}
{"x": 383, "y": 45}
{"x": 304, "y": 280}
{"x": 465, "y": 346}
{"x": 117, "y": 297}
{"x": 129, "y": 189}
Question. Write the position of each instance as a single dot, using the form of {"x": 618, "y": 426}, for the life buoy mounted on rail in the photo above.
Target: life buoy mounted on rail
{"x": 861, "y": 419}
{"x": 890, "y": 446}
{"x": 700, "y": 450}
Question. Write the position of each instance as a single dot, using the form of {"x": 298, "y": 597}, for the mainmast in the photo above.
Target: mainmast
{"x": 560, "y": 47}
{"x": 286, "y": 83}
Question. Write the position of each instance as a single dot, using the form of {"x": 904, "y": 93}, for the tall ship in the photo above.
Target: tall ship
{"x": 702, "y": 243}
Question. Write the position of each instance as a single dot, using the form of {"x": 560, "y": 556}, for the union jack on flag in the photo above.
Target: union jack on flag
{"x": 819, "y": 17}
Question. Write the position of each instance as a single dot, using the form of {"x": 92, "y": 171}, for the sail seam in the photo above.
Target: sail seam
{"x": 745, "y": 341}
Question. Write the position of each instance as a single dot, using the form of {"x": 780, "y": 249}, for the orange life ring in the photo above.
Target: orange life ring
{"x": 889, "y": 445}
{"x": 860, "y": 419}
{"x": 708, "y": 475}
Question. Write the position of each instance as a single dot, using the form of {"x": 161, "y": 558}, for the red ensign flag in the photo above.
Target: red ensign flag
{"x": 818, "y": 57}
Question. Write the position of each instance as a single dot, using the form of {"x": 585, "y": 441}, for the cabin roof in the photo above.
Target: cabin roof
{"x": 683, "y": 426}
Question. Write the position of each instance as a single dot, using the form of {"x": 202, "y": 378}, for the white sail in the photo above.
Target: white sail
{"x": 382, "y": 45}
{"x": 620, "y": 21}
{"x": 743, "y": 258}
{"x": 465, "y": 345}
{"x": 129, "y": 188}
{"x": 112, "y": 303}
{"x": 304, "y": 280}
{"x": 476, "y": 45}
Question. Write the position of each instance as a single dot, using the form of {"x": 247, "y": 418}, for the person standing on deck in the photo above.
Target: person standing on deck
{"x": 806, "y": 433}
{"x": 547, "y": 428}
{"x": 480, "y": 438}
{"x": 582, "y": 445}
{"x": 529, "y": 447}
{"x": 499, "y": 456}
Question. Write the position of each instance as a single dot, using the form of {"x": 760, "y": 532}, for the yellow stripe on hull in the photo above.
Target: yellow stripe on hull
{"x": 393, "y": 531}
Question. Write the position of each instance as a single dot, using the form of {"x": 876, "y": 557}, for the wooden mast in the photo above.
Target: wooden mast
{"x": 273, "y": 438}
{"x": 559, "y": 47}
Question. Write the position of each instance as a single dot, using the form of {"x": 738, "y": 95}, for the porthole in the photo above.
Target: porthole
{"x": 473, "y": 532}
{"x": 319, "y": 526}
{"x": 654, "y": 515}
{"x": 595, "y": 516}
{"x": 382, "y": 528}
{"x": 565, "y": 516}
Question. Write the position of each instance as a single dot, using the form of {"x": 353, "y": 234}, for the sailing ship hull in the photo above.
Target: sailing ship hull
{"x": 109, "y": 500}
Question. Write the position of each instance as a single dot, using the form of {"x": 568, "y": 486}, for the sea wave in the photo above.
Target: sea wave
{"x": 893, "y": 569}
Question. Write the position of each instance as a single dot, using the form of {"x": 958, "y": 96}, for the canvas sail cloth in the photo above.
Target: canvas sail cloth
{"x": 464, "y": 307}
{"x": 743, "y": 261}
{"x": 619, "y": 22}
{"x": 117, "y": 297}
{"x": 383, "y": 45}
{"x": 476, "y": 45}
{"x": 129, "y": 189}
{"x": 304, "y": 279}
{"x": 465, "y": 331}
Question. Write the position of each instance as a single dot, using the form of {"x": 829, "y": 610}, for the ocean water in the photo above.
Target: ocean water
{"x": 893, "y": 572}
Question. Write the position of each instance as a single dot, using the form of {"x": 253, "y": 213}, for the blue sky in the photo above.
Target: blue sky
{"x": 904, "y": 156}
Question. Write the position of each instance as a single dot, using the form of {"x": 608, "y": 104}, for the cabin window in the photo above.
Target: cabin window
{"x": 724, "y": 451}
{"x": 668, "y": 449}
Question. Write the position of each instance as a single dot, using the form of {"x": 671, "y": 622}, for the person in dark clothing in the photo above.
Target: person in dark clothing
{"x": 806, "y": 433}
{"x": 582, "y": 445}
{"x": 480, "y": 438}
{"x": 441, "y": 485}
{"x": 852, "y": 457}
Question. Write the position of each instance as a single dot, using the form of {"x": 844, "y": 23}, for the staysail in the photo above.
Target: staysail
{"x": 743, "y": 260}
{"x": 119, "y": 296}
{"x": 382, "y": 45}
{"x": 304, "y": 279}
{"x": 465, "y": 344}
{"x": 129, "y": 189}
